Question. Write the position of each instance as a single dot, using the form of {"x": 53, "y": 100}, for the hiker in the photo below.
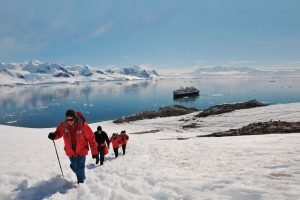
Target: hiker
{"x": 101, "y": 137}
{"x": 78, "y": 137}
{"x": 115, "y": 140}
{"x": 124, "y": 139}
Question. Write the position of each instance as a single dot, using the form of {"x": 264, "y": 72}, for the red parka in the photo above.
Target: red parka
{"x": 124, "y": 138}
{"x": 84, "y": 137}
{"x": 115, "y": 141}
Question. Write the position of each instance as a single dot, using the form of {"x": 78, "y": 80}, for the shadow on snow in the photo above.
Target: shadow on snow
{"x": 46, "y": 189}
{"x": 106, "y": 159}
{"x": 43, "y": 189}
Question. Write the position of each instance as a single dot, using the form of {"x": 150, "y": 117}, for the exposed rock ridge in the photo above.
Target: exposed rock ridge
{"x": 168, "y": 111}
{"x": 260, "y": 128}
{"x": 224, "y": 108}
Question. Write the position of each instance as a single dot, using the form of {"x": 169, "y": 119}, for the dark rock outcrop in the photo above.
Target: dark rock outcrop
{"x": 224, "y": 108}
{"x": 99, "y": 72}
{"x": 260, "y": 128}
{"x": 145, "y": 132}
{"x": 168, "y": 111}
{"x": 192, "y": 125}
{"x": 62, "y": 75}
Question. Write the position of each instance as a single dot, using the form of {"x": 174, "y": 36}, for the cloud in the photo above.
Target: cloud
{"x": 200, "y": 61}
{"x": 10, "y": 45}
{"x": 297, "y": 62}
{"x": 240, "y": 62}
{"x": 101, "y": 30}
{"x": 31, "y": 28}
{"x": 7, "y": 42}
{"x": 128, "y": 56}
{"x": 288, "y": 65}
{"x": 22, "y": 43}
{"x": 175, "y": 71}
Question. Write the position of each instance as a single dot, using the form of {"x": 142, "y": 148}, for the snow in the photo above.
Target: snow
{"x": 232, "y": 72}
{"x": 33, "y": 72}
{"x": 157, "y": 165}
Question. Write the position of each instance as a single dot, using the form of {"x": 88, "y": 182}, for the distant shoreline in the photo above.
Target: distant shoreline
{"x": 138, "y": 80}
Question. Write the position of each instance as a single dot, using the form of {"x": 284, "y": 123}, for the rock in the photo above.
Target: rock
{"x": 260, "y": 128}
{"x": 192, "y": 125}
{"x": 145, "y": 132}
{"x": 62, "y": 75}
{"x": 224, "y": 108}
{"x": 168, "y": 111}
{"x": 183, "y": 138}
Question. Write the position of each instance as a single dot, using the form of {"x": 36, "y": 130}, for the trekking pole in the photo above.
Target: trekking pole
{"x": 58, "y": 159}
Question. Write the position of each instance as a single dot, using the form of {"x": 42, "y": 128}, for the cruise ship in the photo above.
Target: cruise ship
{"x": 183, "y": 92}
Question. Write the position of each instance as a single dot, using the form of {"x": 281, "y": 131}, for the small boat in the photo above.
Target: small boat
{"x": 184, "y": 92}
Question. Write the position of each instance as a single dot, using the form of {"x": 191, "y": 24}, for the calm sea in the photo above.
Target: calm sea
{"x": 45, "y": 105}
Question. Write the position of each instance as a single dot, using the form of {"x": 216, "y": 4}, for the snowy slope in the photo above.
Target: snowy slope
{"x": 157, "y": 166}
{"x": 37, "y": 72}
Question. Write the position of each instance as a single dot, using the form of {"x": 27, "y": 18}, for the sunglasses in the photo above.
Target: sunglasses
{"x": 70, "y": 119}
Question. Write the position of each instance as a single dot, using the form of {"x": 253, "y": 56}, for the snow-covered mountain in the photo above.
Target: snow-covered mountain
{"x": 240, "y": 72}
{"x": 38, "y": 72}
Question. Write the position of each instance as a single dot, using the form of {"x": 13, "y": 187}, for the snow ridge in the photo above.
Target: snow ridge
{"x": 241, "y": 72}
{"x": 38, "y": 72}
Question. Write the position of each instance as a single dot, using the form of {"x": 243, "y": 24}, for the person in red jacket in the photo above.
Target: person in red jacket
{"x": 124, "y": 139}
{"x": 78, "y": 137}
{"x": 115, "y": 140}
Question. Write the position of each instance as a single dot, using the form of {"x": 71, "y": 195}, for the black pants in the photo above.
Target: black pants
{"x": 116, "y": 150}
{"x": 123, "y": 148}
{"x": 101, "y": 152}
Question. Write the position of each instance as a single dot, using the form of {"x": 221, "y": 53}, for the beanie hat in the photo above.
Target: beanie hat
{"x": 71, "y": 113}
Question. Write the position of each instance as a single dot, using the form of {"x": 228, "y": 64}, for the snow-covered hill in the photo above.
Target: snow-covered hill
{"x": 157, "y": 165}
{"x": 240, "y": 72}
{"x": 37, "y": 72}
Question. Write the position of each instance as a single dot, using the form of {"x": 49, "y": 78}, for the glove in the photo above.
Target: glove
{"x": 51, "y": 136}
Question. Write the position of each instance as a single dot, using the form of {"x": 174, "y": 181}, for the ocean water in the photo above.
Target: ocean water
{"x": 44, "y": 105}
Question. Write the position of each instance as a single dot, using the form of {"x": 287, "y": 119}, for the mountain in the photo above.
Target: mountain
{"x": 240, "y": 72}
{"x": 38, "y": 72}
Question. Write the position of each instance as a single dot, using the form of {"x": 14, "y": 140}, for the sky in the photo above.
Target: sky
{"x": 158, "y": 33}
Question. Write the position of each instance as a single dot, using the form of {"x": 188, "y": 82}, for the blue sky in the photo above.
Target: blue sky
{"x": 164, "y": 33}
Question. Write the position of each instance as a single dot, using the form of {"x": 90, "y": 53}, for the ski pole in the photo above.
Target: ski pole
{"x": 58, "y": 159}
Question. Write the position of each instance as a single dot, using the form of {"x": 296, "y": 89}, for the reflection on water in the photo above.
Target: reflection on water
{"x": 186, "y": 99}
{"x": 44, "y": 105}
{"x": 38, "y": 97}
